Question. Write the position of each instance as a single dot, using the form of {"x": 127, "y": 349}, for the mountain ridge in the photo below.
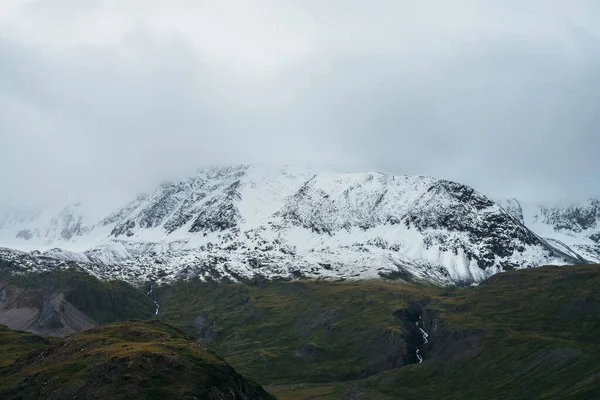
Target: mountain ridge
{"x": 574, "y": 227}
{"x": 245, "y": 221}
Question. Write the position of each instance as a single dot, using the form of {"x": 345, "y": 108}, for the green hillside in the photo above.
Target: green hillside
{"x": 528, "y": 334}
{"x": 292, "y": 332}
{"x": 523, "y": 334}
{"x": 532, "y": 334}
{"x": 127, "y": 360}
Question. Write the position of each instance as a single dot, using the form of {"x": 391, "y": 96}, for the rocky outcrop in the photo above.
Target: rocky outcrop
{"x": 429, "y": 339}
{"x": 40, "y": 311}
{"x": 61, "y": 302}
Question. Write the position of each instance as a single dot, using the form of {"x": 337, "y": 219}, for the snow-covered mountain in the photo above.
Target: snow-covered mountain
{"x": 574, "y": 228}
{"x": 247, "y": 221}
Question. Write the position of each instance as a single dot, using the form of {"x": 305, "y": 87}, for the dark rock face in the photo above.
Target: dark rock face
{"x": 185, "y": 212}
{"x": 462, "y": 194}
{"x": 574, "y": 218}
{"x": 63, "y": 299}
{"x": 210, "y": 205}
{"x": 409, "y": 317}
{"x": 161, "y": 208}
{"x": 427, "y": 336}
{"x": 219, "y": 214}
{"x": 494, "y": 230}
{"x": 124, "y": 229}
{"x": 205, "y": 334}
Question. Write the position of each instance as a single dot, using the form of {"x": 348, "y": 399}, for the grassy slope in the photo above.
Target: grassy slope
{"x": 535, "y": 335}
{"x": 531, "y": 334}
{"x": 145, "y": 360}
{"x": 542, "y": 341}
{"x": 292, "y": 332}
{"x": 16, "y": 344}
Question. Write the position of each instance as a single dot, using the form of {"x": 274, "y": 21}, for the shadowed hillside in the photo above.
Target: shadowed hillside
{"x": 62, "y": 302}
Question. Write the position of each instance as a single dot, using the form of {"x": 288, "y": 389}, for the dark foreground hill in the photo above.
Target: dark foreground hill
{"x": 127, "y": 360}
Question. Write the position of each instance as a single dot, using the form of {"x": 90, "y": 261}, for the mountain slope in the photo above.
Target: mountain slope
{"x": 241, "y": 222}
{"x": 573, "y": 228}
{"x": 62, "y": 301}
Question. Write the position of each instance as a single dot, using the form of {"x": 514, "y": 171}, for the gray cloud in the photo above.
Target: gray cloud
{"x": 113, "y": 97}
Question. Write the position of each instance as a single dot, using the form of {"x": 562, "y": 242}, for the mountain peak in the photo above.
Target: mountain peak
{"x": 247, "y": 220}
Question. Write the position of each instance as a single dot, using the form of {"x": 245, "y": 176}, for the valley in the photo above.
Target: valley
{"x": 524, "y": 334}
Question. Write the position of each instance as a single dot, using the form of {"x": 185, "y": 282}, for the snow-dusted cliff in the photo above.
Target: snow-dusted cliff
{"x": 574, "y": 228}
{"x": 240, "y": 222}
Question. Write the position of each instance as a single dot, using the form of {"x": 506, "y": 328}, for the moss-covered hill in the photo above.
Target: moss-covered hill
{"x": 293, "y": 332}
{"x": 532, "y": 334}
{"x": 529, "y": 334}
{"x": 127, "y": 360}
{"x": 16, "y": 344}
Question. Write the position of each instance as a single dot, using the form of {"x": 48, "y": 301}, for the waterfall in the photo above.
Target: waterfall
{"x": 425, "y": 340}
{"x": 156, "y": 305}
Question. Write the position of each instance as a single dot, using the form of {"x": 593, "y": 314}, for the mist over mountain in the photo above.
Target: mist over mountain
{"x": 247, "y": 221}
{"x": 106, "y": 99}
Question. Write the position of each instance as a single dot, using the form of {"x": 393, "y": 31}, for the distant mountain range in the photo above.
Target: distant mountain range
{"x": 574, "y": 228}
{"x": 245, "y": 222}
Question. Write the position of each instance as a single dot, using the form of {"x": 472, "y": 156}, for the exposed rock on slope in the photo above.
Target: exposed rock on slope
{"x": 573, "y": 228}
{"x": 65, "y": 301}
{"x": 242, "y": 222}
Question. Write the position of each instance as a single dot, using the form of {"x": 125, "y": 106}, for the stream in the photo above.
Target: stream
{"x": 425, "y": 340}
{"x": 157, "y": 306}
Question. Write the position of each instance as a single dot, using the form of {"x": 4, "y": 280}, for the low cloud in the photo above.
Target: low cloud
{"x": 108, "y": 98}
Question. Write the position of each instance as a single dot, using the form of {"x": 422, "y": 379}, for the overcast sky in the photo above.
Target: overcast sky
{"x": 114, "y": 96}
